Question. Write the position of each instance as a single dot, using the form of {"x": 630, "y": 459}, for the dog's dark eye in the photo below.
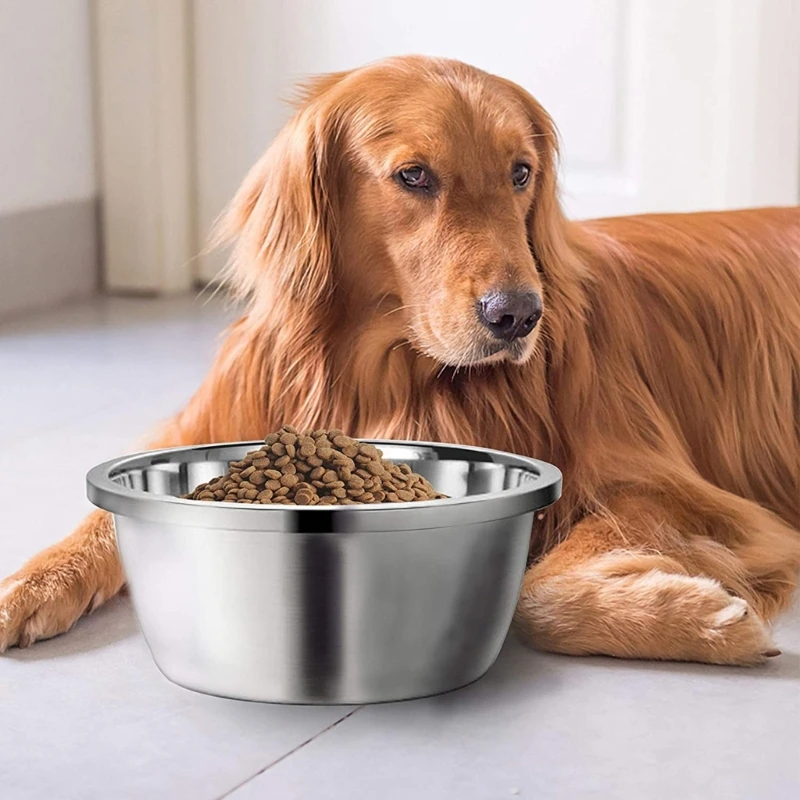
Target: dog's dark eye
{"x": 415, "y": 178}
{"x": 520, "y": 175}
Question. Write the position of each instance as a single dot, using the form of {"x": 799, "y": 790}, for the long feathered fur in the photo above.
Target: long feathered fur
{"x": 667, "y": 338}
{"x": 665, "y": 382}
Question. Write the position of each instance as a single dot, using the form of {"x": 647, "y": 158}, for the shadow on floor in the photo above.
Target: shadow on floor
{"x": 785, "y": 666}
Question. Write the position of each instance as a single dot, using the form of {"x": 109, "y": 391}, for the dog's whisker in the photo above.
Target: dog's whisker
{"x": 404, "y": 308}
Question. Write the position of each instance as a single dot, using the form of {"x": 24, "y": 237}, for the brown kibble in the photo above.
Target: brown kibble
{"x": 307, "y": 448}
{"x": 370, "y": 451}
{"x": 315, "y": 467}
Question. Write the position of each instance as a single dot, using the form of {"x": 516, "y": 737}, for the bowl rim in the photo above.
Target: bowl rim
{"x": 111, "y": 496}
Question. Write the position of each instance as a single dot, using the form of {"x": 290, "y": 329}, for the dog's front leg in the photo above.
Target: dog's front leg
{"x": 76, "y": 575}
{"x": 60, "y": 584}
{"x": 666, "y": 579}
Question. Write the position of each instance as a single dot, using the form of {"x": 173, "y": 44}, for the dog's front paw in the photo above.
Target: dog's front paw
{"x": 41, "y": 603}
{"x": 732, "y": 633}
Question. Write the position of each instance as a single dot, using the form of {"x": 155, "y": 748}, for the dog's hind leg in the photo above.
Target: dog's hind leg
{"x": 645, "y": 580}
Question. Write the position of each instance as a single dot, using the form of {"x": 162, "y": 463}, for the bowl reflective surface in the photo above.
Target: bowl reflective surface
{"x": 325, "y": 604}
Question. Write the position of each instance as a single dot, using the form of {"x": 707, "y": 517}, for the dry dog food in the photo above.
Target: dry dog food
{"x": 315, "y": 468}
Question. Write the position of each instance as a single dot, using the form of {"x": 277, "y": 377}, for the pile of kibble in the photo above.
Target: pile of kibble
{"x": 315, "y": 468}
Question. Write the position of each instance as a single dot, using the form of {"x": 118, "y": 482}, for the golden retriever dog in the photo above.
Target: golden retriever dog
{"x": 410, "y": 274}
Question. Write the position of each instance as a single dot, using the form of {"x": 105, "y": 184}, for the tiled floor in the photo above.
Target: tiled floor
{"x": 89, "y": 716}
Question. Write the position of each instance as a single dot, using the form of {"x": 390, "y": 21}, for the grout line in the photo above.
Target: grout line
{"x": 286, "y": 755}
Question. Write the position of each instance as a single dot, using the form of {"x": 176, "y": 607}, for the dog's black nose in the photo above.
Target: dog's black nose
{"x": 510, "y": 315}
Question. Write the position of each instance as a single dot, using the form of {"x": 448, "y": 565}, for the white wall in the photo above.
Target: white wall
{"x": 46, "y": 139}
{"x": 662, "y": 106}
{"x": 250, "y": 53}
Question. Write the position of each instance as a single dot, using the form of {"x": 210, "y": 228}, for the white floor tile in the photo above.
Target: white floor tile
{"x": 545, "y": 726}
{"x": 89, "y": 716}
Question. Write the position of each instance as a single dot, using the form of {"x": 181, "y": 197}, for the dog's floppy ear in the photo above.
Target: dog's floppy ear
{"x": 283, "y": 218}
{"x": 547, "y": 225}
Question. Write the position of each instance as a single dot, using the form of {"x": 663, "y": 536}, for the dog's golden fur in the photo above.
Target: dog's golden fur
{"x": 664, "y": 377}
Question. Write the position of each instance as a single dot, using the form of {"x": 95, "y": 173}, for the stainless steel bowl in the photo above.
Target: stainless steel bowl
{"x": 349, "y": 604}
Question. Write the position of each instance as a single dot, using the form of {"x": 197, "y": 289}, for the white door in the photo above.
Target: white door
{"x": 662, "y": 104}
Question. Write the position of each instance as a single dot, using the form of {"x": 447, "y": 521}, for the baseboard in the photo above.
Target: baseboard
{"x": 48, "y": 255}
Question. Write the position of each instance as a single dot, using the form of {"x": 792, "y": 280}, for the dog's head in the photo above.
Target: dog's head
{"x": 416, "y": 195}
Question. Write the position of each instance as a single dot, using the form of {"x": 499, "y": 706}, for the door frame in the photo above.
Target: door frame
{"x": 145, "y": 135}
